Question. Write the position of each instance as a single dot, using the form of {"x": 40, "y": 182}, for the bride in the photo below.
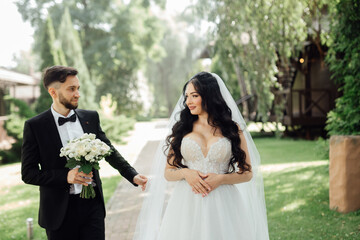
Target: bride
{"x": 213, "y": 160}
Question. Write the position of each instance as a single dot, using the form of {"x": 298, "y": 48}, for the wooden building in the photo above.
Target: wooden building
{"x": 19, "y": 86}
{"x": 308, "y": 93}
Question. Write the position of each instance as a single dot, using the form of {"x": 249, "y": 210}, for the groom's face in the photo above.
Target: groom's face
{"x": 68, "y": 93}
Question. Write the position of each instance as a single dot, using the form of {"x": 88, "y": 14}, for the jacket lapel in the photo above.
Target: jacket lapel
{"x": 50, "y": 124}
{"x": 86, "y": 123}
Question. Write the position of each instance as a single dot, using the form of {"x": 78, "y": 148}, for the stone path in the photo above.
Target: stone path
{"x": 124, "y": 206}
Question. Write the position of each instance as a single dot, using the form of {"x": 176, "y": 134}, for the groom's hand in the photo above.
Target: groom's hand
{"x": 140, "y": 180}
{"x": 74, "y": 176}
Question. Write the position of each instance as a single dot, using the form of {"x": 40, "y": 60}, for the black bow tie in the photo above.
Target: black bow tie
{"x": 62, "y": 120}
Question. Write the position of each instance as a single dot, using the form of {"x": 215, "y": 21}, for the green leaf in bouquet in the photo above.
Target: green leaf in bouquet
{"x": 96, "y": 166}
{"x": 71, "y": 163}
{"x": 85, "y": 168}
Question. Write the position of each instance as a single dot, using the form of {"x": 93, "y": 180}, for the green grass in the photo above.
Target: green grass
{"x": 297, "y": 203}
{"x": 297, "y": 198}
{"x": 109, "y": 185}
{"x": 17, "y": 203}
{"x": 273, "y": 150}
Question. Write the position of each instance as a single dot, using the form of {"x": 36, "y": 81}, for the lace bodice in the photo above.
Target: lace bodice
{"x": 216, "y": 160}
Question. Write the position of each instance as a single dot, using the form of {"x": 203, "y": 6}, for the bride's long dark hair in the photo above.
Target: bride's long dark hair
{"x": 219, "y": 117}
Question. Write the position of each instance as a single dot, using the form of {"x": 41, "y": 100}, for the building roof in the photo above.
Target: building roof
{"x": 14, "y": 78}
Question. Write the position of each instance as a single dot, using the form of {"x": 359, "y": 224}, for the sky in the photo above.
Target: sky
{"x": 17, "y": 35}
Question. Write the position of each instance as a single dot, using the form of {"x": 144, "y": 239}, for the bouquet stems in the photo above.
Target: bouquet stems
{"x": 87, "y": 192}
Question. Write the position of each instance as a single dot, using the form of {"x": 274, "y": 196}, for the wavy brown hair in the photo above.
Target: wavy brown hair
{"x": 219, "y": 117}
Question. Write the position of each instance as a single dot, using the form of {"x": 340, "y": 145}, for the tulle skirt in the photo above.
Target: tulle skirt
{"x": 218, "y": 216}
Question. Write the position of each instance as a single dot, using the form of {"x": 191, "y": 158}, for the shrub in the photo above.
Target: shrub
{"x": 14, "y": 126}
{"x": 344, "y": 63}
{"x": 116, "y": 127}
{"x": 321, "y": 148}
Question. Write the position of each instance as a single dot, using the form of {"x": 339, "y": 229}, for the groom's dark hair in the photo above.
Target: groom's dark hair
{"x": 57, "y": 74}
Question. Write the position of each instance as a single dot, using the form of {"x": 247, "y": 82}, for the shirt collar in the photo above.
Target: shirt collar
{"x": 57, "y": 115}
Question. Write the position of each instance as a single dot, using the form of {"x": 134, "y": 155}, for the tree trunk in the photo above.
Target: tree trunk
{"x": 254, "y": 106}
{"x": 165, "y": 84}
{"x": 243, "y": 89}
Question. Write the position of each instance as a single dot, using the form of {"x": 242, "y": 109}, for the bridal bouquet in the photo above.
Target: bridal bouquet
{"x": 85, "y": 152}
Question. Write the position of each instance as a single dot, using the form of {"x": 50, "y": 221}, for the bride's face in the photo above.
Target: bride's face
{"x": 193, "y": 100}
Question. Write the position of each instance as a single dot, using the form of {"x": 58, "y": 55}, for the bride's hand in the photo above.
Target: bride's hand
{"x": 213, "y": 180}
{"x": 195, "y": 180}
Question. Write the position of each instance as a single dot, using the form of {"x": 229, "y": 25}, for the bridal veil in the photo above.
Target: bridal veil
{"x": 252, "y": 192}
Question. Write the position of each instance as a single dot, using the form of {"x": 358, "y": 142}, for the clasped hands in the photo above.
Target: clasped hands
{"x": 202, "y": 183}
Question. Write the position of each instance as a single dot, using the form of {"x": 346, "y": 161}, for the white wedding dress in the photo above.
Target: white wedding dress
{"x": 220, "y": 215}
{"x": 229, "y": 212}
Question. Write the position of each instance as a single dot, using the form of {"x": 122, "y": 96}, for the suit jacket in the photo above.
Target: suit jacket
{"x": 42, "y": 165}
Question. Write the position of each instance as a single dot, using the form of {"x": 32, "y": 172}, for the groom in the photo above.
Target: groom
{"x": 62, "y": 212}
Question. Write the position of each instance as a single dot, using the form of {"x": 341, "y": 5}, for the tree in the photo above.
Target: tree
{"x": 70, "y": 42}
{"x": 51, "y": 54}
{"x": 115, "y": 37}
{"x": 344, "y": 61}
{"x": 175, "y": 63}
{"x": 26, "y": 62}
{"x": 254, "y": 39}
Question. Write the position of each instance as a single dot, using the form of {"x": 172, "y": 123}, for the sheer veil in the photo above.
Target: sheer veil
{"x": 252, "y": 192}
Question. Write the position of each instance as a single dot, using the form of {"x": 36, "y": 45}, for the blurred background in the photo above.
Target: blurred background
{"x": 138, "y": 54}
{"x": 293, "y": 67}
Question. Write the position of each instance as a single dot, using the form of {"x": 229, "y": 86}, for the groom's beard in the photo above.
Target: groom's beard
{"x": 67, "y": 103}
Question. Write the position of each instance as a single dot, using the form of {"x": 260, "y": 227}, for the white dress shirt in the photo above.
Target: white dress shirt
{"x": 67, "y": 132}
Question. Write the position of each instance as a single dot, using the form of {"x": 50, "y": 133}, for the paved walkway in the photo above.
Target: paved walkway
{"x": 124, "y": 206}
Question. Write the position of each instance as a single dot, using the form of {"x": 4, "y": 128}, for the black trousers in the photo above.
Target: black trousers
{"x": 85, "y": 219}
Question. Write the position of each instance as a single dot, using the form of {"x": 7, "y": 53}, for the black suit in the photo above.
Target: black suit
{"x": 42, "y": 165}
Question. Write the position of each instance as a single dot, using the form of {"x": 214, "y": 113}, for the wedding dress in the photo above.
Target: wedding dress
{"x": 229, "y": 212}
{"x": 220, "y": 215}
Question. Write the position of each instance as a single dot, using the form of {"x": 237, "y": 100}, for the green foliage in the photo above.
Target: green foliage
{"x": 51, "y": 54}
{"x": 321, "y": 148}
{"x": 26, "y": 62}
{"x": 174, "y": 63}
{"x": 251, "y": 36}
{"x": 20, "y": 112}
{"x": 70, "y": 42}
{"x": 117, "y": 127}
{"x": 344, "y": 63}
{"x": 254, "y": 41}
{"x": 19, "y": 107}
{"x": 115, "y": 37}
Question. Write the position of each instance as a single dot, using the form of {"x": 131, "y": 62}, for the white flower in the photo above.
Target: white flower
{"x": 85, "y": 148}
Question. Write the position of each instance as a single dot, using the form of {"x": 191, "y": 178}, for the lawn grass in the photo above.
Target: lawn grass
{"x": 297, "y": 203}
{"x": 17, "y": 203}
{"x": 297, "y": 197}
{"x": 273, "y": 150}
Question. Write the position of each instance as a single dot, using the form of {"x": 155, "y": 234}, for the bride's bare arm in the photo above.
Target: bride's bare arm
{"x": 173, "y": 173}
{"x": 194, "y": 178}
